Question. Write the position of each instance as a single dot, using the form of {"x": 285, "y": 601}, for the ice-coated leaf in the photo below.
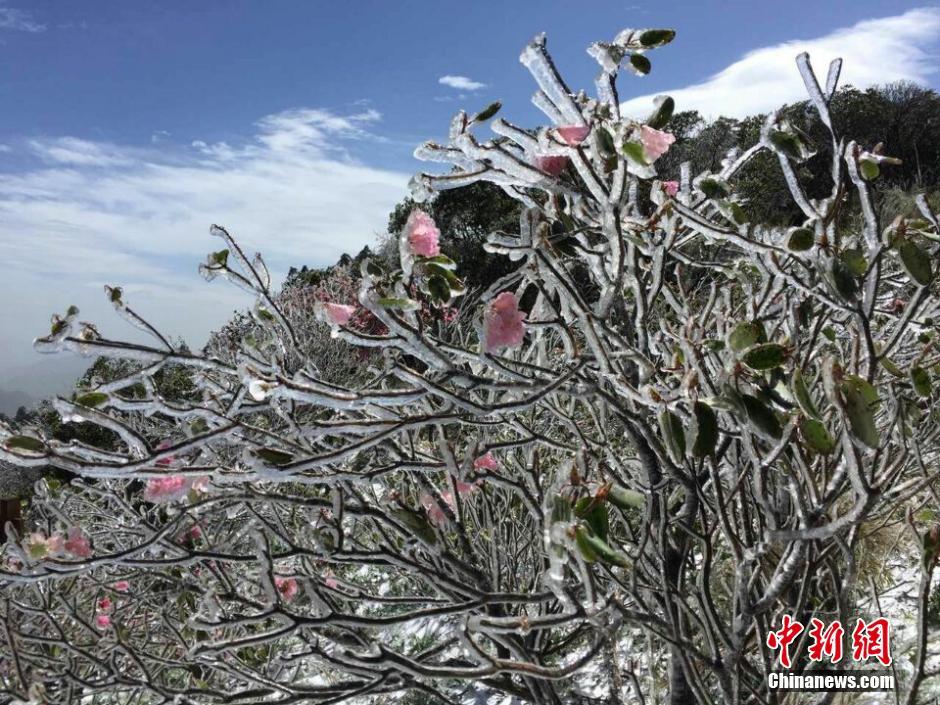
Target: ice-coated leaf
{"x": 920, "y": 379}
{"x": 859, "y": 410}
{"x": 673, "y": 435}
{"x": 601, "y": 548}
{"x": 800, "y": 239}
{"x": 706, "y": 430}
{"x": 651, "y": 38}
{"x": 843, "y": 280}
{"x": 664, "y": 106}
{"x": 92, "y": 399}
{"x": 916, "y": 262}
{"x": 762, "y": 418}
{"x": 27, "y": 443}
{"x": 626, "y": 499}
{"x": 816, "y": 437}
{"x": 801, "y": 394}
{"x": 272, "y": 456}
{"x": 487, "y": 112}
{"x": 402, "y": 303}
{"x": 595, "y": 513}
{"x": 439, "y": 289}
{"x": 765, "y": 356}
{"x": 744, "y": 335}
{"x": 640, "y": 64}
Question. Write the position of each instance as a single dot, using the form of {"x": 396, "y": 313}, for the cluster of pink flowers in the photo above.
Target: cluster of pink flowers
{"x": 171, "y": 488}
{"x": 655, "y": 142}
{"x": 286, "y": 587}
{"x": 422, "y": 235}
{"x": 435, "y": 512}
{"x": 503, "y": 323}
{"x": 336, "y": 314}
{"x": 671, "y": 187}
{"x": 75, "y": 545}
{"x": 486, "y": 462}
{"x": 103, "y": 616}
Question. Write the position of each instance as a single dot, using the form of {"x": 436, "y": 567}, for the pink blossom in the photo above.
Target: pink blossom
{"x": 103, "y": 621}
{"x": 331, "y": 582}
{"x": 573, "y": 135}
{"x": 671, "y": 187}
{"x": 553, "y": 166}
{"x": 166, "y": 489}
{"x": 448, "y": 497}
{"x": 168, "y": 460}
{"x": 78, "y": 544}
{"x": 486, "y": 462}
{"x": 422, "y": 235}
{"x": 338, "y": 314}
{"x": 38, "y": 545}
{"x": 121, "y": 586}
{"x": 104, "y": 604}
{"x": 503, "y": 324}
{"x": 655, "y": 142}
{"x": 287, "y": 587}
{"x": 465, "y": 489}
{"x": 435, "y": 513}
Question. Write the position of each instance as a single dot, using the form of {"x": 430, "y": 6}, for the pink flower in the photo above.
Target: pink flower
{"x": 287, "y": 587}
{"x": 103, "y": 621}
{"x": 38, "y": 545}
{"x": 78, "y": 544}
{"x": 435, "y": 513}
{"x": 671, "y": 187}
{"x": 331, "y": 582}
{"x": 168, "y": 460}
{"x": 337, "y": 314}
{"x": 486, "y": 462}
{"x": 422, "y": 235}
{"x": 121, "y": 586}
{"x": 465, "y": 489}
{"x": 166, "y": 489}
{"x": 104, "y": 604}
{"x": 655, "y": 142}
{"x": 573, "y": 135}
{"x": 503, "y": 324}
{"x": 553, "y": 166}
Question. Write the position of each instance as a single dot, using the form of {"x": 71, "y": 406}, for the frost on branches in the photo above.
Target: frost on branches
{"x": 610, "y": 477}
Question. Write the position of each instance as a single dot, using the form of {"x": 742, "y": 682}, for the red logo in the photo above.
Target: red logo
{"x": 869, "y": 640}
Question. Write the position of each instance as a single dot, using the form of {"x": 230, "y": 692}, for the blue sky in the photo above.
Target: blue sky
{"x": 129, "y": 127}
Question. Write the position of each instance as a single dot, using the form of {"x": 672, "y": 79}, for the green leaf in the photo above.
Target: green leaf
{"x": 816, "y": 437}
{"x": 401, "y": 303}
{"x": 606, "y": 141}
{"x": 601, "y": 548}
{"x": 854, "y": 259}
{"x": 916, "y": 262}
{"x": 28, "y": 443}
{"x": 673, "y": 435}
{"x": 762, "y": 418}
{"x": 584, "y": 546}
{"x": 626, "y": 499}
{"x": 651, "y": 38}
{"x": 713, "y": 188}
{"x": 765, "y": 356}
{"x": 744, "y": 335}
{"x": 706, "y": 430}
{"x": 272, "y": 456}
{"x": 634, "y": 152}
{"x": 640, "y": 64}
{"x": 439, "y": 289}
{"x": 487, "y": 112}
{"x": 219, "y": 258}
{"x": 843, "y": 280}
{"x": 868, "y": 169}
{"x": 595, "y": 514}
{"x": 788, "y": 144}
{"x": 859, "y": 409}
{"x": 92, "y": 399}
{"x": 417, "y": 523}
{"x": 800, "y": 239}
{"x": 441, "y": 261}
{"x": 665, "y": 106}
{"x": 920, "y": 378}
{"x": 801, "y": 394}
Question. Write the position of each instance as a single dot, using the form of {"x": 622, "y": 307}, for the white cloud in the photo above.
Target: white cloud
{"x": 94, "y": 213}
{"x": 873, "y": 52}
{"x": 19, "y": 20}
{"x": 461, "y": 83}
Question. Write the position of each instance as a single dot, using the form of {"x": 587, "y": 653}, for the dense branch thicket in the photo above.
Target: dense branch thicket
{"x": 611, "y": 472}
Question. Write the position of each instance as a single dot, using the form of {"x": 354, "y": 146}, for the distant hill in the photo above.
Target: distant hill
{"x": 41, "y": 378}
